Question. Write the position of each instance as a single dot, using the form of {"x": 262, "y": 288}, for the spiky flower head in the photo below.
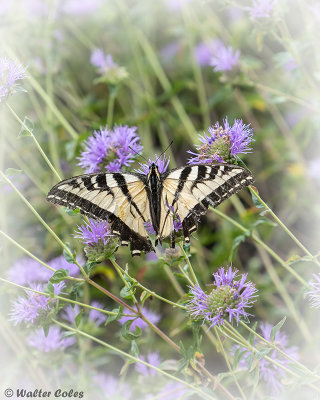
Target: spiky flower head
{"x": 100, "y": 243}
{"x": 314, "y": 294}
{"x": 35, "y": 307}
{"x": 223, "y": 143}
{"x": 161, "y": 162}
{"x": 225, "y": 59}
{"x": 270, "y": 373}
{"x": 228, "y": 300}
{"x": 110, "y": 150}
{"x": 10, "y": 73}
{"x": 261, "y": 9}
{"x": 52, "y": 341}
{"x": 69, "y": 313}
{"x": 110, "y": 72}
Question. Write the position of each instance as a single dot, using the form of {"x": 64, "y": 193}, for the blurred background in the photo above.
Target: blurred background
{"x": 172, "y": 68}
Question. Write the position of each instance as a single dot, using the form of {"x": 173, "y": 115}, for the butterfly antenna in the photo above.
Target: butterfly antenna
{"x": 138, "y": 154}
{"x": 241, "y": 162}
{"x": 164, "y": 151}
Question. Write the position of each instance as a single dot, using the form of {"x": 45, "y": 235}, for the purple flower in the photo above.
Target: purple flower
{"x": 228, "y": 299}
{"x": 261, "y": 9}
{"x": 314, "y": 295}
{"x": 28, "y": 309}
{"x": 93, "y": 231}
{"x": 271, "y": 373}
{"x": 225, "y": 58}
{"x": 177, "y": 224}
{"x": 27, "y": 270}
{"x": 152, "y": 358}
{"x": 110, "y": 149}
{"x": 149, "y": 228}
{"x": 223, "y": 144}
{"x": 173, "y": 391}
{"x": 150, "y": 315}
{"x": 52, "y": 342}
{"x": 10, "y": 73}
{"x": 102, "y": 61}
{"x": 69, "y": 313}
{"x": 204, "y": 51}
{"x": 161, "y": 162}
{"x": 108, "y": 384}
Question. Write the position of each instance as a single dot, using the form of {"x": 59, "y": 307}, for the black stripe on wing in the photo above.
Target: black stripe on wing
{"x": 61, "y": 194}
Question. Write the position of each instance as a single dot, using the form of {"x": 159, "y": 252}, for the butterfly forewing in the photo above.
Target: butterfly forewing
{"x": 193, "y": 188}
{"x": 118, "y": 198}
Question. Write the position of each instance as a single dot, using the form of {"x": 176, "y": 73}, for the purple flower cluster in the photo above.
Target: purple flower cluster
{"x": 261, "y": 9}
{"x": 177, "y": 224}
{"x": 53, "y": 341}
{"x": 102, "y": 61}
{"x": 110, "y": 149}
{"x": 27, "y": 270}
{"x": 69, "y": 313}
{"x": 150, "y": 315}
{"x": 204, "y": 51}
{"x": 161, "y": 162}
{"x": 223, "y": 143}
{"x": 32, "y": 307}
{"x": 228, "y": 299}
{"x": 93, "y": 231}
{"x": 10, "y": 73}
{"x": 152, "y": 358}
{"x": 314, "y": 294}
{"x": 271, "y": 373}
{"x": 225, "y": 58}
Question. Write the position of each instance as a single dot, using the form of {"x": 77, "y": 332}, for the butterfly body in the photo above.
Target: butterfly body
{"x": 130, "y": 201}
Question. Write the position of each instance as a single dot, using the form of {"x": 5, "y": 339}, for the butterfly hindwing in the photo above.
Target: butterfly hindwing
{"x": 118, "y": 198}
{"x": 192, "y": 189}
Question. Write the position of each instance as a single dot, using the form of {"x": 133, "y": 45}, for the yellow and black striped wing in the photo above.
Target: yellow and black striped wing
{"x": 190, "y": 190}
{"x": 118, "y": 198}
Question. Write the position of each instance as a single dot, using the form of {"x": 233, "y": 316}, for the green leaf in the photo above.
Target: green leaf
{"x": 70, "y": 258}
{"x": 134, "y": 349}
{"x": 276, "y": 328}
{"x": 89, "y": 266}
{"x": 70, "y": 212}
{"x": 114, "y": 317}
{"x": 127, "y": 292}
{"x": 236, "y": 242}
{"x": 256, "y": 202}
{"x": 25, "y": 132}
{"x": 240, "y": 352}
{"x": 263, "y": 352}
{"x": 127, "y": 333}
{"x": 60, "y": 275}
{"x": 12, "y": 171}
{"x": 78, "y": 319}
{"x": 49, "y": 289}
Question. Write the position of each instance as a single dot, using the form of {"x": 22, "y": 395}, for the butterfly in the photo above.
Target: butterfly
{"x": 132, "y": 201}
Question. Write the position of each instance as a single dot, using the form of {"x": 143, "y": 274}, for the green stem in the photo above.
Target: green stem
{"x": 189, "y": 264}
{"x": 283, "y": 226}
{"x": 36, "y": 143}
{"x": 173, "y": 280}
{"x": 276, "y": 348}
{"x": 247, "y": 345}
{"x": 186, "y": 276}
{"x": 59, "y": 298}
{"x": 228, "y": 363}
{"x": 119, "y": 271}
{"x": 36, "y": 258}
{"x": 154, "y": 294}
{"x": 111, "y": 101}
{"x": 132, "y": 358}
{"x": 43, "y": 223}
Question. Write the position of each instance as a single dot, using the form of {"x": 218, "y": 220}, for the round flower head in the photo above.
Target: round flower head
{"x": 111, "y": 73}
{"x": 223, "y": 143}
{"x": 52, "y": 341}
{"x": 161, "y": 162}
{"x": 10, "y": 73}
{"x": 110, "y": 149}
{"x": 100, "y": 243}
{"x": 225, "y": 59}
{"x": 314, "y": 295}
{"x": 228, "y": 300}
